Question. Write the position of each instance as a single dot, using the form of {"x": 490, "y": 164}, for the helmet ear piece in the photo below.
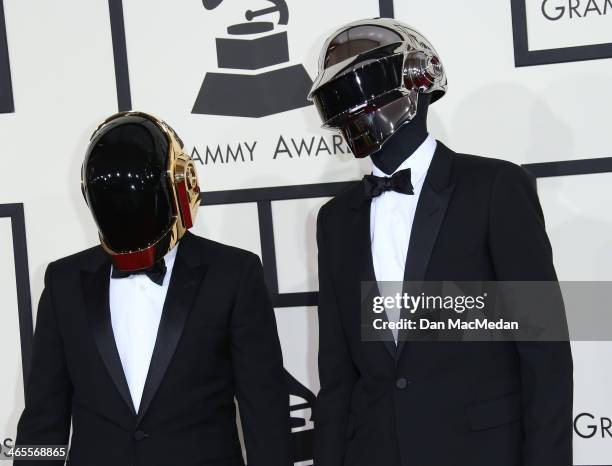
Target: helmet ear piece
{"x": 422, "y": 71}
{"x": 187, "y": 190}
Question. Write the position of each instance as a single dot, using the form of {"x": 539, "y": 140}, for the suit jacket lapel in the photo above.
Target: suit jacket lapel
{"x": 187, "y": 275}
{"x": 427, "y": 221}
{"x": 362, "y": 244}
{"x": 431, "y": 209}
{"x": 96, "y": 292}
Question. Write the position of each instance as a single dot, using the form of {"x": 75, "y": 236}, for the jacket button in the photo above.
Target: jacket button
{"x": 140, "y": 435}
{"x": 401, "y": 383}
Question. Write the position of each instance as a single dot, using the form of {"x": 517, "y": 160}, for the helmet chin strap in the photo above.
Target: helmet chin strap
{"x": 405, "y": 141}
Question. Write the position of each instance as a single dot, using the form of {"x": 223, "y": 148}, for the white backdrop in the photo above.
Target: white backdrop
{"x": 63, "y": 84}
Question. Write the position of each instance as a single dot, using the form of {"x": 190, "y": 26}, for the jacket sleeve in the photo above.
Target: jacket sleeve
{"x": 337, "y": 373}
{"x": 521, "y": 251}
{"x": 48, "y": 396}
{"x": 261, "y": 387}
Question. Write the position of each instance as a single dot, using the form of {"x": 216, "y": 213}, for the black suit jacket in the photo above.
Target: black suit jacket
{"x": 217, "y": 339}
{"x": 449, "y": 403}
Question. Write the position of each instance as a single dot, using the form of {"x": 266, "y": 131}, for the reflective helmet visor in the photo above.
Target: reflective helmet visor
{"x": 126, "y": 183}
{"x": 360, "y": 90}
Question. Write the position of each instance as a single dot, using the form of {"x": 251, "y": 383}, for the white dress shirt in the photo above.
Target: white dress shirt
{"x": 136, "y": 304}
{"x": 391, "y": 218}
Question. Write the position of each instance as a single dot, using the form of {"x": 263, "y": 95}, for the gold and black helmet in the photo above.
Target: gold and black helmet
{"x": 141, "y": 188}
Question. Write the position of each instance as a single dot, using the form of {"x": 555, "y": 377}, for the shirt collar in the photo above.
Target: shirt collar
{"x": 171, "y": 256}
{"x": 418, "y": 162}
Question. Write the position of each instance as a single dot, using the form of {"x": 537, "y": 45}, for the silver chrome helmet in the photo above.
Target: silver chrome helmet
{"x": 371, "y": 73}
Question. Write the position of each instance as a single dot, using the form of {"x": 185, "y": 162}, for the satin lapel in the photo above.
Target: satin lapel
{"x": 183, "y": 288}
{"x": 362, "y": 244}
{"x": 431, "y": 209}
{"x": 96, "y": 292}
{"x": 429, "y": 215}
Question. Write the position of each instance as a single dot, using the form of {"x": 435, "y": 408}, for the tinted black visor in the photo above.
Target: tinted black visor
{"x": 357, "y": 89}
{"x": 126, "y": 184}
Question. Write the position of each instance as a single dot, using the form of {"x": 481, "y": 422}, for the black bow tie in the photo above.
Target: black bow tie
{"x": 155, "y": 273}
{"x": 376, "y": 185}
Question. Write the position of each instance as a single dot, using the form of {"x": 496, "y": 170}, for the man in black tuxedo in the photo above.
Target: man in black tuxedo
{"x": 425, "y": 214}
{"x": 143, "y": 342}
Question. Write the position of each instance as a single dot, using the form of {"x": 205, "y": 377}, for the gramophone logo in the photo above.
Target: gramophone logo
{"x": 253, "y": 46}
